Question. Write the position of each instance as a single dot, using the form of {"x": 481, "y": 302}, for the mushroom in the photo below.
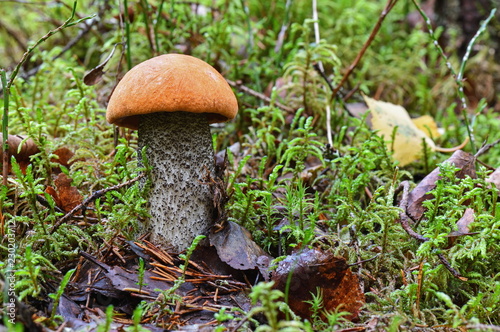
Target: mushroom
{"x": 171, "y": 99}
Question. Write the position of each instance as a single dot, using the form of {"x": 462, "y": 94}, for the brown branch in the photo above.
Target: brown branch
{"x": 259, "y": 95}
{"x": 404, "y": 221}
{"x": 450, "y": 268}
{"x": 485, "y": 148}
{"x": 83, "y": 205}
{"x": 390, "y": 4}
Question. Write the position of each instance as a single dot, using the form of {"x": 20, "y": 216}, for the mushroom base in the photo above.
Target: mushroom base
{"x": 180, "y": 153}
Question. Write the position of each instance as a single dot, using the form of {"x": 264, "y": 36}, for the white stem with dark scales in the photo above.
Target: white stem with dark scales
{"x": 179, "y": 150}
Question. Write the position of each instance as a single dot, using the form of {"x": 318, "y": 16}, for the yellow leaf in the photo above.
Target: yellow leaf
{"x": 427, "y": 124}
{"x": 408, "y": 145}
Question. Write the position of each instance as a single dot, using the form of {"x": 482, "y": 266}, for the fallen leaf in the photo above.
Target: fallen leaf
{"x": 465, "y": 221}
{"x": 462, "y": 227}
{"x": 427, "y": 125}
{"x": 52, "y": 192}
{"x": 357, "y": 110}
{"x": 69, "y": 196}
{"x": 236, "y": 248}
{"x": 64, "y": 156}
{"x": 312, "y": 269}
{"x": 494, "y": 178}
{"x": 463, "y": 160}
{"x": 95, "y": 75}
{"x": 408, "y": 139}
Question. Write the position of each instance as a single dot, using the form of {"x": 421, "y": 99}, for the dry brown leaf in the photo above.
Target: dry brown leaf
{"x": 494, "y": 178}
{"x": 312, "y": 269}
{"x": 462, "y": 226}
{"x": 52, "y": 192}
{"x": 68, "y": 195}
{"x": 95, "y": 75}
{"x": 465, "y": 221}
{"x": 236, "y": 248}
{"x": 463, "y": 160}
{"x": 64, "y": 156}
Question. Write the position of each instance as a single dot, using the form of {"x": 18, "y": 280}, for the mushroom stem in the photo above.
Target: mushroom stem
{"x": 180, "y": 153}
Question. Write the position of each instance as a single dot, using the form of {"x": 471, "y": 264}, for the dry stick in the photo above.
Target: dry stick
{"x": 320, "y": 66}
{"x": 86, "y": 29}
{"x": 259, "y": 95}
{"x": 329, "y": 83}
{"x": 93, "y": 197}
{"x": 404, "y": 221}
{"x": 450, "y": 268}
{"x": 485, "y": 148}
{"x": 83, "y": 31}
{"x": 388, "y": 7}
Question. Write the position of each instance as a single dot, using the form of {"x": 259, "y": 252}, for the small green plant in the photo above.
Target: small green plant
{"x": 187, "y": 256}
{"x": 221, "y": 317}
{"x": 32, "y": 187}
{"x": 57, "y": 296}
{"x": 305, "y": 89}
{"x": 268, "y": 301}
{"x": 140, "y": 274}
{"x": 109, "y": 319}
{"x": 317, "y": 310}
{"x": 266, "y": 132}
{"x": 136, "y": 319}
{"x": 30, "y": 273}
{"x": 302, "y": 212}
{"x": 252, "y": 201}
{"x": 303, "y": 145}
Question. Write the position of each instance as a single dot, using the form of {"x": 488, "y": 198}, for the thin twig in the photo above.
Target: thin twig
{"x": 68, "y": 23}
{"x": 485, "y": 148}
{"x": 259, "y": 95}
{"x": 321, "y": 72}
{"x": 404, "y": 221}
{"x": 88, "y": 26}
{"x": 240, "y": 324}
{"x": 450, "y": 268}
{"x": 94, "y": 260}
{"x": 388, "y": 7}
{"x": 458, "y": 76}
{"x": 329, "y": 83}
{"x": 83, "y": 205}
{"x": 321, "y": 69}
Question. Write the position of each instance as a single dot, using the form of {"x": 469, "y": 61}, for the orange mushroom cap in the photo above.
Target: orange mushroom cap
{"x": 171, "y": 83}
